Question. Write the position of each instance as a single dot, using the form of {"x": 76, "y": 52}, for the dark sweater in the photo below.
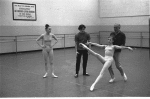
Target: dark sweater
{"x": 81, "y": 37}
{"x": 119, "y": 39}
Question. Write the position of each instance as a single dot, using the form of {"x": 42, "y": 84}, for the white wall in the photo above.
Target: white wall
{"x": 125, "y": 12}
{"x": 63, "y": 15}
{"x": 54, "y": 12}
{"x": 143, "y": 20}
{"x": 133, "y": 19}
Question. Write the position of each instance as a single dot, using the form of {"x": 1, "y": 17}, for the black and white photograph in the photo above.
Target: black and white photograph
{"x": 74, "y": 48}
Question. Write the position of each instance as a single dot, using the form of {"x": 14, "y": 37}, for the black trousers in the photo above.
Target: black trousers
{"x": 78, "y": 60}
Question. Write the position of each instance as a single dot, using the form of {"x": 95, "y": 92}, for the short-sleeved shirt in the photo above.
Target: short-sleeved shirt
{"x": 81, "y": 37}
{"x": 119, "y": 39}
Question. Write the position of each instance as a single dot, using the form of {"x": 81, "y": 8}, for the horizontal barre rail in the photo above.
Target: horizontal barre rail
{"x": 129, "y": 31}
{"x": 7, "y": 41}
{"x": 75, "y": 33}
{"x": 65, "y": 37}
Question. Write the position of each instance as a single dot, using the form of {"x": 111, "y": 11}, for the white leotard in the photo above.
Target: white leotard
{"x": 47, "y": 40}
{"x": 109, "y": 52}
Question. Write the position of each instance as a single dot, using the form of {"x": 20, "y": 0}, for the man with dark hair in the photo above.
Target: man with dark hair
{"x": 81, "y": 37}
{"x": 119, "y": 39}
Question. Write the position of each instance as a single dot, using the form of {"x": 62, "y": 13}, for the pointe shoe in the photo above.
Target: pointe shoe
{"x": 81, "y": 44}
{"x": 84, "y": 46}
{"x": 54, "y": 76}
{"x": 111, "y": 80}
{"x": 92, "y": 88}
{"x": 125, "y": 77}
{"x": 45, "y": 75}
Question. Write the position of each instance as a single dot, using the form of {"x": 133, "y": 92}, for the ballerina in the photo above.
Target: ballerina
{"x": 107, "y": 60}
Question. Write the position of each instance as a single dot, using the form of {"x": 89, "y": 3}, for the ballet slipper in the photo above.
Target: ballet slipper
{"x": 92, "y": 87}
{"x": 54, "y": 76}
{"x": 125, "y": 77}
{"x": 84, "y": 46}
{"x": 45, "y": 75}
{"x": 111, "y": 80}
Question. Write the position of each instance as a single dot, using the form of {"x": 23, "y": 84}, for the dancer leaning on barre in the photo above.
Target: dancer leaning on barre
{"x": 107, "y": 60}
{"x": 47, "y": 49}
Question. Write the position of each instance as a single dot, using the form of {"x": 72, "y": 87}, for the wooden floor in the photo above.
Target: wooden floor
{"x": 21, "y": 75}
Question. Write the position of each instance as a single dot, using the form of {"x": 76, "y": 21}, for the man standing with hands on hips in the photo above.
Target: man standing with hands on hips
{"x": 81, "y": 37}
{"x": 119, "y": 39}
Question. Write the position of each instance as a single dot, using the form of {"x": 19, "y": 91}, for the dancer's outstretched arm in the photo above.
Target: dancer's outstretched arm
{"x": 123, "y": 47}
{"x": 98, "y": 45}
